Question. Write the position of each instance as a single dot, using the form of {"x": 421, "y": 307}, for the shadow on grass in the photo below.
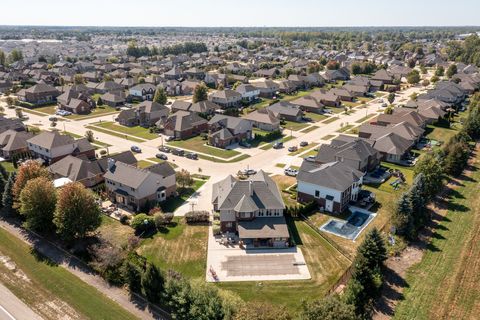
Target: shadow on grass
{"x": 40, "y": 257}
{"x": 294, "y": 234}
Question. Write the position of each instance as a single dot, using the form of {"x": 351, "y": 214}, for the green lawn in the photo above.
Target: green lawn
{"x": 26, "y": 110}
{"x": 172, "y": 204}
{"x": 174, "y": 165}
{"x": 444, "y": 285}
{"x": 331, "y": 119}
{"x": 269, "y": 145}
{"x": 345, "y": 128}
{"x": 49, "y": 109}
{"x": 144, "y": 164}
{"x": 328, "y": 137}
{"x": 295, "y": 126}
{"x": 363, "y": 119}
{"x": 315, "y": 116}
{"x": 439, "y": 133}
{"x": 236, "y": 159}
{"x": 8, "y": 166}
{"x": 52, "y": 282}
{"x": 197, "y": 144}
{"x": 324, "y": 263}
{"x": 180, "y": 247}
{"x": 137, "y": 131}
{"x": 309, "y": 129}
{"x": 114, "y": 133}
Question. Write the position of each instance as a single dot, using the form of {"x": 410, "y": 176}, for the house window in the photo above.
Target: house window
{"x": 317, "y": 194}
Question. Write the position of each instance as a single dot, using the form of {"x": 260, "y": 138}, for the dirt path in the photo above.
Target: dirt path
{"x": 396, "y": 267}
{"x": 134, "y": 305}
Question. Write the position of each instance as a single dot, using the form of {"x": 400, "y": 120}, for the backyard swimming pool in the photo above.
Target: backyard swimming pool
{"x": 350, "y": 228}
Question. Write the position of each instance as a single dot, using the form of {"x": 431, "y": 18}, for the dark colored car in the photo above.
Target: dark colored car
{"x": 135, "y": 149}
{"x": 161, "y": 156}
{"x": 178, "y": 152}
{"x": 278, "y": 145}
{"x": 303, "y": 144}
{"x": 192, "y": 156}
{"x": 164, "y": 149}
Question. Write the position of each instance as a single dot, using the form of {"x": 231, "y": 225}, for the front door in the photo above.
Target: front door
{"x": 329, "y": 205}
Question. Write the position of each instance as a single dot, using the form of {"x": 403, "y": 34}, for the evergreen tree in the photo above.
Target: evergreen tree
{"x": 431, "y": 167}
{"x": 402, "y": 218}
{"x": 7, "y": 196}
{"x": 160, "y": 96}
{"x": 328, "y": 308}
{"x": 373, "y": 249}
{"x": 418, "y": 197}
{"x": 3, "y": 172}
{"x": 152, "y": 283}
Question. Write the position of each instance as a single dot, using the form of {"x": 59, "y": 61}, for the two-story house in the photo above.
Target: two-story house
{"x": 252, "y": 209}
{"x": 52, "y": 146}
{"x": 132, "y": 187}
{"x": 226, "y": 130}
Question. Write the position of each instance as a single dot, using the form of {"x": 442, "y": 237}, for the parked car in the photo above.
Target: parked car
{"x": 178, "y": 152}
{"x": 303, "y": 144}
{"x": 278, "y": 145}
{"x": 384, "y": 105}
{"x": 310, "y": 158}
{"x": 292, "y": 149}
{"x": 307, "y": 119}
{"x": 135, "y": 149}
{"x": 169, "y": 138}
{"x": 52, "y": 119}
{"x": 291, "y": 172}
{"x": 164, "y": 149}
{"x": 192, "y": 155}
{"x": 249, "y": 172}
{"x": 161, "y": 156}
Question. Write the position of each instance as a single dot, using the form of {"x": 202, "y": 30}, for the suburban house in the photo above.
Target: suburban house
{"x": 143, "y": 91}
{"x": 309, "y": 104}
{"x": 384, "y": 76}
{"x": 113, "y": 99}
{"x": 131, "y": 187}
{"x": 13, "y": 142}
{"x": 75, "y": 101}
{"x": 264, "y": 119}
{"x": 39, "y": 94}
{"x": 249, "y": 92}
{"x": 145, "y": 114}
{"x": 286, "y": 111}
{"x": 226, "y": 98}
{"x": 86, "y": 171}
{"x": 334, "y": 75}
{"x": 183, "y": 125}
{"x": 332, "y": 185}
{"x": 226, "y": 130}
{"x": 11, "y": 124}
{"x": 354, "y": 152}
{"x": 401, "y": 115}
{"x": 252, "y": 209}
{"x": 267, "y": 88}
{"x": 392, "y": 146}
{"x": 52, "y": 146}
{"x": 327, "y": 98}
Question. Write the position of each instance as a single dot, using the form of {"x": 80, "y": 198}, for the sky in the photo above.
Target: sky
{"x": 242, "y": 13}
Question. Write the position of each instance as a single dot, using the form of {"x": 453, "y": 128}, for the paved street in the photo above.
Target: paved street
{"x": 259, "y": 159}
{"x": 12, "y": 308}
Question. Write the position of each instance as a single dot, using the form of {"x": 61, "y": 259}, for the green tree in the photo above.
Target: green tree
{"x": 452, "y": 70}
{"x": 37, "y": 204}
{"x": 3, "y": 173}
{"x": 89, "y": 135}
{"x": 457, "y": 154}
{"x": 78, "y": 79}
{"x": 7, "y": 196}
{"x": 15, "y": 55}
{"x": 417, "y": 194}
{"x": 413, "y": 77}
{"x": 328, "y": 308}
{"x": 152, "y": 283}
{"x": 77, "y": 212}
{"x": 440, "y": 72}
{"x": 2, "y": 58}
{"x": 206, "y": 302}
{"x": 391, "y": 97}
{"x": 142, "y": 222}
{"x": 200, "y": 93}
{"x": 160, "y": 95}
{"x": 184, "y": 178}
{"x": 177, "y": 296}
{"x": 373, "y": 249}
{"x": 402, "y": 218}
{"x": 434, "y": 79}
{"x": 431, "y": 167}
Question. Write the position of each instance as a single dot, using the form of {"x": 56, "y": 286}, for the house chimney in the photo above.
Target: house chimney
{"x": 110, "y": 163}
{"x": 250, "y": 187}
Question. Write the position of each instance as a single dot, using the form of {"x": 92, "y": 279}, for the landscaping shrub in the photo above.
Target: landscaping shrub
{"x": 197, "y": 216}
{"x": 142, "y": 222}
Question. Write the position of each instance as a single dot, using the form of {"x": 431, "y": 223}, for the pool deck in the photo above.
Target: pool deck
{"x": 357, "y": 230}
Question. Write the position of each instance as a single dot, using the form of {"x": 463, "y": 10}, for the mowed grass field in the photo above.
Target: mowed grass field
{"x": 325, "y": 264}
{"x": 51, "y": 290}
{"x": 445, "y": 284}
